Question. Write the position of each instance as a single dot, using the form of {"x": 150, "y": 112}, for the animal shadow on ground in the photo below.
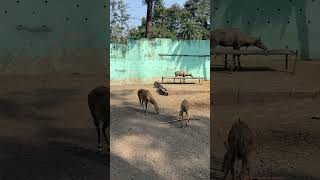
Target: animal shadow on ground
{"x": 120, "y": 162}
{"x": 10, "y": 108}
{"x": 51, "y": 160}
{"x": 162, "y": 117}
{"x": 129, "y": 121}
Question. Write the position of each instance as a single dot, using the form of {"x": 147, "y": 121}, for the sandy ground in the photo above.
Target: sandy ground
{"x": 289, "y": 138}
{"x": 147, "y": 146}
{"x": 46, "y": 130}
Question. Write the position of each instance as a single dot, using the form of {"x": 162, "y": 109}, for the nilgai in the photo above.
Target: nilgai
{"x": 182, "y": 73}
{"x": 233, "y": 37}
{"x": 146, "y": 97}
{"x": 184, "y": 108}
{"x": 156, "y": 84}
{"x": 162, "y": 90}
{"x": 239, "y": 147}
{"x": 98, "y": 101}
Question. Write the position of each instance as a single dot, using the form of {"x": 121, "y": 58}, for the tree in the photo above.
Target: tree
{"x": 119, "y": 21}
{"x": 199, "y": 12}
{"x": 149, "y": 16}
{"x": 138, "y": 32}
{"x": 190, "y": 21}
{"x": 191, "y": 30}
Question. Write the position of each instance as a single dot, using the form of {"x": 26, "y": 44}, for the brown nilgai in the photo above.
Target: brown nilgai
{"x": 145, "y": 97}
{"x": 184, "y": 108}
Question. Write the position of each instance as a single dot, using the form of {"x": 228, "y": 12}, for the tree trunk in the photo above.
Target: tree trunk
{"x": 149, "y": 17}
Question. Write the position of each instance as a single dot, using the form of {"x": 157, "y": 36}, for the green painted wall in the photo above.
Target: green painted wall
{"x": 140, "y": 59}
{"x": 43, "y": 36}
{"x": 280, "y": 23}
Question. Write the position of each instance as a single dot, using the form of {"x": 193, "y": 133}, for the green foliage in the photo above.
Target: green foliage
{"x": 119, "y": 22}
{"x": 188, "y": 22}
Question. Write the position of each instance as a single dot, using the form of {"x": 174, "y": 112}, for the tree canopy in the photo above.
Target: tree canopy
{"x": 190, "y": 21}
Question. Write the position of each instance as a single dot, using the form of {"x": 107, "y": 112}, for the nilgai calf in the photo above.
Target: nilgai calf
{"x": 182, "y": 73}
{"x": 233, "y": 37}
{"x": 146, "y": 97}
{"x": 98, "y": 101}
{"x": 184, "y": 108}
{"x": 239, "y": 147}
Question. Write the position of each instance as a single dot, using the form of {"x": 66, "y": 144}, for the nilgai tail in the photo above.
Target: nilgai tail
{"x": 184, "y": 108}
{"x": 239, "y": 147}
{"x": 145, "y": 97}
{"x": 98, "y": 102}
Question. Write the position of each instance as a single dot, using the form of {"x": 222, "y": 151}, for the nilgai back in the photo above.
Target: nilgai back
{"x": 182, "y": 73}
{"x": 145, "y": 97}
{"x": 239, "y": 147}
{"x": 184, "y": 108}
{"x": 98, "y": 102}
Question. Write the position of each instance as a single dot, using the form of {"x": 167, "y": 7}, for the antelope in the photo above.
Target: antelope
{"x": 146, "y": 97}
{"x": 233, "y": 37}
{"x": 182, "y": 73}
{"x": 184, "y": 108}
{"x": 239, "y": 147}
{"x": 98, "y": 102}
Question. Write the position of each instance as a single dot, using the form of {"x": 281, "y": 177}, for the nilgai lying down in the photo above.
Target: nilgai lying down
{"x": 182, "y": 73}
{"x": 239, "y": 147}
{"x": 146, "y": 97}
{"x": 98, "y": 101}
{"x": 184, "y": 108}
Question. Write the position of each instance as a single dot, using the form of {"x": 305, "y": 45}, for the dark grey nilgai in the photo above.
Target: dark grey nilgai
{"x": 239, "y": 147}
{"x": 182, "y": 73}
{"x": 98, "y": 101}
{"x": 233, "y": 37}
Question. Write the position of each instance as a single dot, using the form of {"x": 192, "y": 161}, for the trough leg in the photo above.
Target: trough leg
{"x": 239, "y": 63}
{"x": 162, "y": 80}
{"x": 225, "y": 62}
{"x": 286, "y": 61}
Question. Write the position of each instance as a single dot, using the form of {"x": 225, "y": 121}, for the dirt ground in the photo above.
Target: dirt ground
{"x": 46, "y": 130}
{"x": 147, "y": 146}
{"x": 278, "y": 107}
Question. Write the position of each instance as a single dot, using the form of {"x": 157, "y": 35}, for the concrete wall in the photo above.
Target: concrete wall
{"x": 280, "y": 23}
{"x": 45, "y": 36}
{"x": 140, "y": 59}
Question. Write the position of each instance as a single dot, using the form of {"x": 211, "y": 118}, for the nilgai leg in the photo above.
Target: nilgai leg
{"x": 146, "y": 107}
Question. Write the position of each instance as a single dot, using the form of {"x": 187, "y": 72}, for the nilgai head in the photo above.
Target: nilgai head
{"x": 156, "y": 107}
{"x": 258, "y": 43}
